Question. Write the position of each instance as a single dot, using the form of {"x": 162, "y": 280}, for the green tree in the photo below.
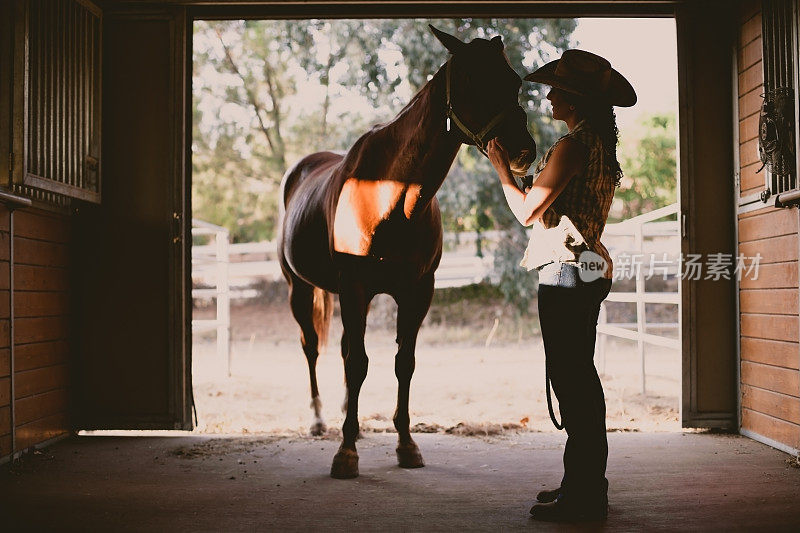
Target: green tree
{"x": 346, "y": 53}
{"x": 248, "y": 124}
{"x": 227, "y": 190}
{"x": 650, "y": 167}
{"x": 240, "y": 86}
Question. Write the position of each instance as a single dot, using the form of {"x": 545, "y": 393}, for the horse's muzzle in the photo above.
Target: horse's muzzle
{"x": 520, "y": 164}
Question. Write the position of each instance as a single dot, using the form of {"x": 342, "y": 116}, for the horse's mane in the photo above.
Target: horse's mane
{"x": 403, "y": 133}
{"x": 416, "y": 107}
{"x": 405, "y": 127}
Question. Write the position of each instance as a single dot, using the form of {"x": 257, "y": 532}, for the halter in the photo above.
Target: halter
{"x": 477, "y": 138}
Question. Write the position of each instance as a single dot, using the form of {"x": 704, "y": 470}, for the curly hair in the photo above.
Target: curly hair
{"x": 601, "y": 118}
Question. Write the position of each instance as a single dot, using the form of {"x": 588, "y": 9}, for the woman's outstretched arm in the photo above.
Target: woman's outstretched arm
{"x": 569, "y": 157}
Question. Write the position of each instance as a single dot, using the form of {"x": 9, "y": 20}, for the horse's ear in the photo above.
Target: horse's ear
{"x": 454, "y": 44}
{"x": 498, "y": 42}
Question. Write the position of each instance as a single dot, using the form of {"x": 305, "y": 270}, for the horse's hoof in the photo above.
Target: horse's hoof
{"x": 408, "y": 456}
{"x": 318, "y": 429}
{"x": 345, "y": 464}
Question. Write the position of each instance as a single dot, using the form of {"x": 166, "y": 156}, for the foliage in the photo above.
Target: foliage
{"x": 650, "y": 169}
{"x": 227, "y": 188}
{"x": 250, "y": 120}
{"x": 479, "y": 292}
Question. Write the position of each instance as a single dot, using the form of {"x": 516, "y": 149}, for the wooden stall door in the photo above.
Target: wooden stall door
{"x": 133, "y": 369}
{"x": 706, "y": 40}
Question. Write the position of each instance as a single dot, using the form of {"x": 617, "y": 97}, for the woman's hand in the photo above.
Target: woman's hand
{"x": 498, "y": 157}
{"x": 569, "y": 158}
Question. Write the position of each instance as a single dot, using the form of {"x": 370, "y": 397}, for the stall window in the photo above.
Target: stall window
{"x": 778, "y": 119}
{"x": 56, "y": 155}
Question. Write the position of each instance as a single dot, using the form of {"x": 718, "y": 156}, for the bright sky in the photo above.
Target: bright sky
{"x": 644, "y": 51}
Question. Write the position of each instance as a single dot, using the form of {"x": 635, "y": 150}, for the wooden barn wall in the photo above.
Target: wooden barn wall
{"x": 768, "y": 306}
{"x": 41, "y": 323}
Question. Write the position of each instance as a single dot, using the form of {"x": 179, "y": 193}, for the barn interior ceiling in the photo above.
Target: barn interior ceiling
{"x": 329, "y": 8}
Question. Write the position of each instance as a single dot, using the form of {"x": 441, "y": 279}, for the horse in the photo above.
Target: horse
{"x": 367, "y": 222}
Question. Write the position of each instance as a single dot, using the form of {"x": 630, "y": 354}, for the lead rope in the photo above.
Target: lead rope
{"x": 549, "y": 399}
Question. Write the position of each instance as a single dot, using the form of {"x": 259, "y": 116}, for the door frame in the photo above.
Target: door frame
{"x": 693, "y": 122}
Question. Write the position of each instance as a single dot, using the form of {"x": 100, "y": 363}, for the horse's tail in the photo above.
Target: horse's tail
{"x": 323, "y": 311}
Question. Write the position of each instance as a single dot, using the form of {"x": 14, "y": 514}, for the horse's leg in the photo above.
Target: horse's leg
{"x": 344, "y": 362}
{"x": 411, "y": 310}
{"x": 301, "y": 300}
{"x": 353, "y": 300}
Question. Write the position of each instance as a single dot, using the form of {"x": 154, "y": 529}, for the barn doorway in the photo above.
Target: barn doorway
{"x": 259, "y": 105}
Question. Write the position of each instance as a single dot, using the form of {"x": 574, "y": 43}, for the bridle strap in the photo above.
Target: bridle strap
{"x": 477, "y": 138}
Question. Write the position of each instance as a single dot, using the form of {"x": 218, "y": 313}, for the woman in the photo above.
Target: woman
{"x": 568, "y": 205}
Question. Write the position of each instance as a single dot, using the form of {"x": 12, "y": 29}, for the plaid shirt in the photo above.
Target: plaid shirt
{"x": 575, "y": 221}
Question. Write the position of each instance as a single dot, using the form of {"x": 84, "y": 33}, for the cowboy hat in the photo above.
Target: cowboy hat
{"x": 586, "y": 74}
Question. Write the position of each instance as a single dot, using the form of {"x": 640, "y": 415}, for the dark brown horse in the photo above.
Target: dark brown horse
{"x": 368, "y": 222}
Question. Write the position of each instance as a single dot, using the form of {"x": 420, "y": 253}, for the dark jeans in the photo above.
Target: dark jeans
{"x": 568, "y": 310}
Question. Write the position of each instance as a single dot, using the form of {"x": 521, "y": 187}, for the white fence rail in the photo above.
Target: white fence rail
{"x": 250, "y": 261}
{"x": 644, "y": 235}
{"x": 213, "y": 261}
{"x": 221, "y": 271}
{"x": 225, "y": 270}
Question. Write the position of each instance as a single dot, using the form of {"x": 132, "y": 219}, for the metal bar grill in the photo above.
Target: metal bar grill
{"x": 766, "y": 37}
{"x": 778, "y": 35}
{"x": 789, "y": 179}
{"x": 62, "y": 98}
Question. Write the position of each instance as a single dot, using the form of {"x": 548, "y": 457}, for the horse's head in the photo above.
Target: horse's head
{"x": 483, "y": 98}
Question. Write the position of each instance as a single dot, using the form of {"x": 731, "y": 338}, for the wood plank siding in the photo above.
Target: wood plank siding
{"x": 768, "y": 306}
{"x": 41, "y": 322}
{"x": 751, "y": 83}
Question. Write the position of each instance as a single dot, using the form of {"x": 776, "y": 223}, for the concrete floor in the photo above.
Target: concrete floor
{"x": 659, "y": 481}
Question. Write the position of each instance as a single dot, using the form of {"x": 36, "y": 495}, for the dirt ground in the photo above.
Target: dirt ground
{"x": 460, "y": 386}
